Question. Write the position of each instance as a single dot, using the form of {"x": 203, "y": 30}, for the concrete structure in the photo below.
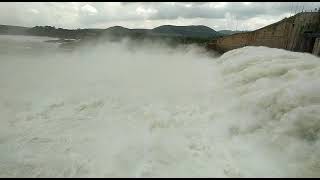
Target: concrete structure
{"x": 299, "y": 33}
{"x": 316, "y": 47}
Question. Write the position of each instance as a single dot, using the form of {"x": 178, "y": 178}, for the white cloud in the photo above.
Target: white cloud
{"x": 220, "y": 5}
{"x": 145, "y": 12}
{"x": 89, "y": 9}
{"x": 247, "y": 3}
{"x": 34, "y": 11}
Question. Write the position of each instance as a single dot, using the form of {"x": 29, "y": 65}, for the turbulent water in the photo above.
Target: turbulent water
{"x": 119, "y": 110}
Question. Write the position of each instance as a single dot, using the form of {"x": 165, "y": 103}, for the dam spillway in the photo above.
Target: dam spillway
{"x": 299, "y": 33}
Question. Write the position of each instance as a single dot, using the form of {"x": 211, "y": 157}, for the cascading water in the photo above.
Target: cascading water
{"x": 151, "y": 111}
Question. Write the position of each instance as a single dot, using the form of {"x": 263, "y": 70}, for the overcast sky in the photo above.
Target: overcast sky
{"x": 217, "y": 15}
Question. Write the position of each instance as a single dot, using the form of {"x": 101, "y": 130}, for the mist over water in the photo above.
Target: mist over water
{"x": 131, "y": 110}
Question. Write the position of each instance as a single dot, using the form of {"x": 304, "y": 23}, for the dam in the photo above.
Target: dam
{"x": 299, "y": 33}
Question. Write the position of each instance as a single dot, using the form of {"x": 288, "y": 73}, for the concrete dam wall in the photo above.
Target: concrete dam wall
{"x": 299, "y": 33}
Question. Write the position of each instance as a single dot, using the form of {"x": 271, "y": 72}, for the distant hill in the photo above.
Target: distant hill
{"x": 186, "y": 31}
{"x": 14, "y": 30}
{"x": 48, "y": 31}
{"x": 166, "y": 30}
{"x": 193, "y": 31}
{"x": 170, "y": 34}
{"x": 229, "y": 32}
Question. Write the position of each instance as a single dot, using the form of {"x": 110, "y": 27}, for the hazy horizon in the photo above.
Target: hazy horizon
{"x": 116, "y": 26}
{"x": 216, "y": 15}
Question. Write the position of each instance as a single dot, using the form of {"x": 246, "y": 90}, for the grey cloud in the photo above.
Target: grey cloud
{"x": 70, "y": 15}
{"x": 240, "y": 10}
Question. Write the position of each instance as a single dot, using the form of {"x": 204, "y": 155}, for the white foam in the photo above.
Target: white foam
{"x": 110, "y": 111}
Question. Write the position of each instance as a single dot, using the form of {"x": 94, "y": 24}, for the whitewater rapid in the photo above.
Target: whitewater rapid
{"x": 119, "y": 110}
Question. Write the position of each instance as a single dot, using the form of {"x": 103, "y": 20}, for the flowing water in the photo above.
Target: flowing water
{"x": 119, "y": 110}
